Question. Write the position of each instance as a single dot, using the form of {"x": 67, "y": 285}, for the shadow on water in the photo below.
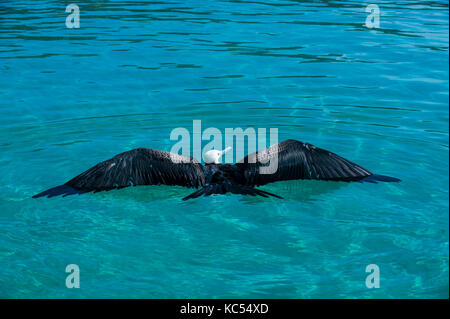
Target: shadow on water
{"x": 301, "y": 190}
{"x": 145, "y": 194}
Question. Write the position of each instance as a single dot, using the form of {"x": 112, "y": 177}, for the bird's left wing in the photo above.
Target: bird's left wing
{"x": 141, "y": 166}
{"x": 297, "y": 160}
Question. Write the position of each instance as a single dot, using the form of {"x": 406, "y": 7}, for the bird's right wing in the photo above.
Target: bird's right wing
{"x": 298, "y": 160}
{"x": 141, "y": 166}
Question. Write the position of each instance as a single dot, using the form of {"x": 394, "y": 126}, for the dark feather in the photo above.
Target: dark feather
{"x": 63, "y": 190}
{"x": 298, "y": 160}
{"x": 224, "y": 188}
{"x": 141, "y": 166}
{"x": 379, "y": 178}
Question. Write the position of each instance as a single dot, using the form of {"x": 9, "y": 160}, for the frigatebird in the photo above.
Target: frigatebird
{"x": 144, "y": 166}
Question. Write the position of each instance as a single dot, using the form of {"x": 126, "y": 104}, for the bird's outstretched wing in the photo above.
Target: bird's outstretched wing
{"x": 298, "y": 160}
{"x": 141, "y": 166}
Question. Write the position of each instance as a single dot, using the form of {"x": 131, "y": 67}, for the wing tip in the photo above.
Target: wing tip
{"x": 380, "y": 178}
{"x": 63, "y": 190}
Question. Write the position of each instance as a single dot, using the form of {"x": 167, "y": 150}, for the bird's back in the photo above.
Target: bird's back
{"x": 223, "y": 173}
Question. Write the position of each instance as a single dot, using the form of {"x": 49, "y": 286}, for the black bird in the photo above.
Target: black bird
{"x": 144, "y": 166}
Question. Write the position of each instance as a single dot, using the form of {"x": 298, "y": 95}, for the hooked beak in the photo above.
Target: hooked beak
{"x": 225, "y": 150}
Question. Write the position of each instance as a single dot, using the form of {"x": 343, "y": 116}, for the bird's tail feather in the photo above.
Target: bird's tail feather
{"x": 63, "y": 190}
{"x": 379, "y": 178}
{"x": 229, "y": 188}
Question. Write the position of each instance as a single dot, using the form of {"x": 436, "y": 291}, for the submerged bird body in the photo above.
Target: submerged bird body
{"x": 142, "y": 166}
{"x": 226, "y": 178}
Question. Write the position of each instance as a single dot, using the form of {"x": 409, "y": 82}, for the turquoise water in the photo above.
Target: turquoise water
{"x": 134, "y": 71}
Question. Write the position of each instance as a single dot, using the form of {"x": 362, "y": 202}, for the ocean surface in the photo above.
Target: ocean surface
{"x": 135, "y": 70}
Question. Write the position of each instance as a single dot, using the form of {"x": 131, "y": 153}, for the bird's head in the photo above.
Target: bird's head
{"x": 213, "y": 156}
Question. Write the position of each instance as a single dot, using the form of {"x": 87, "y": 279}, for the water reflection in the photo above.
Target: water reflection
{"x": 301, "y": 191}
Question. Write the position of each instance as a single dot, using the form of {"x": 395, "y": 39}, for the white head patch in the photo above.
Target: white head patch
{"x": 213, "y": 156}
